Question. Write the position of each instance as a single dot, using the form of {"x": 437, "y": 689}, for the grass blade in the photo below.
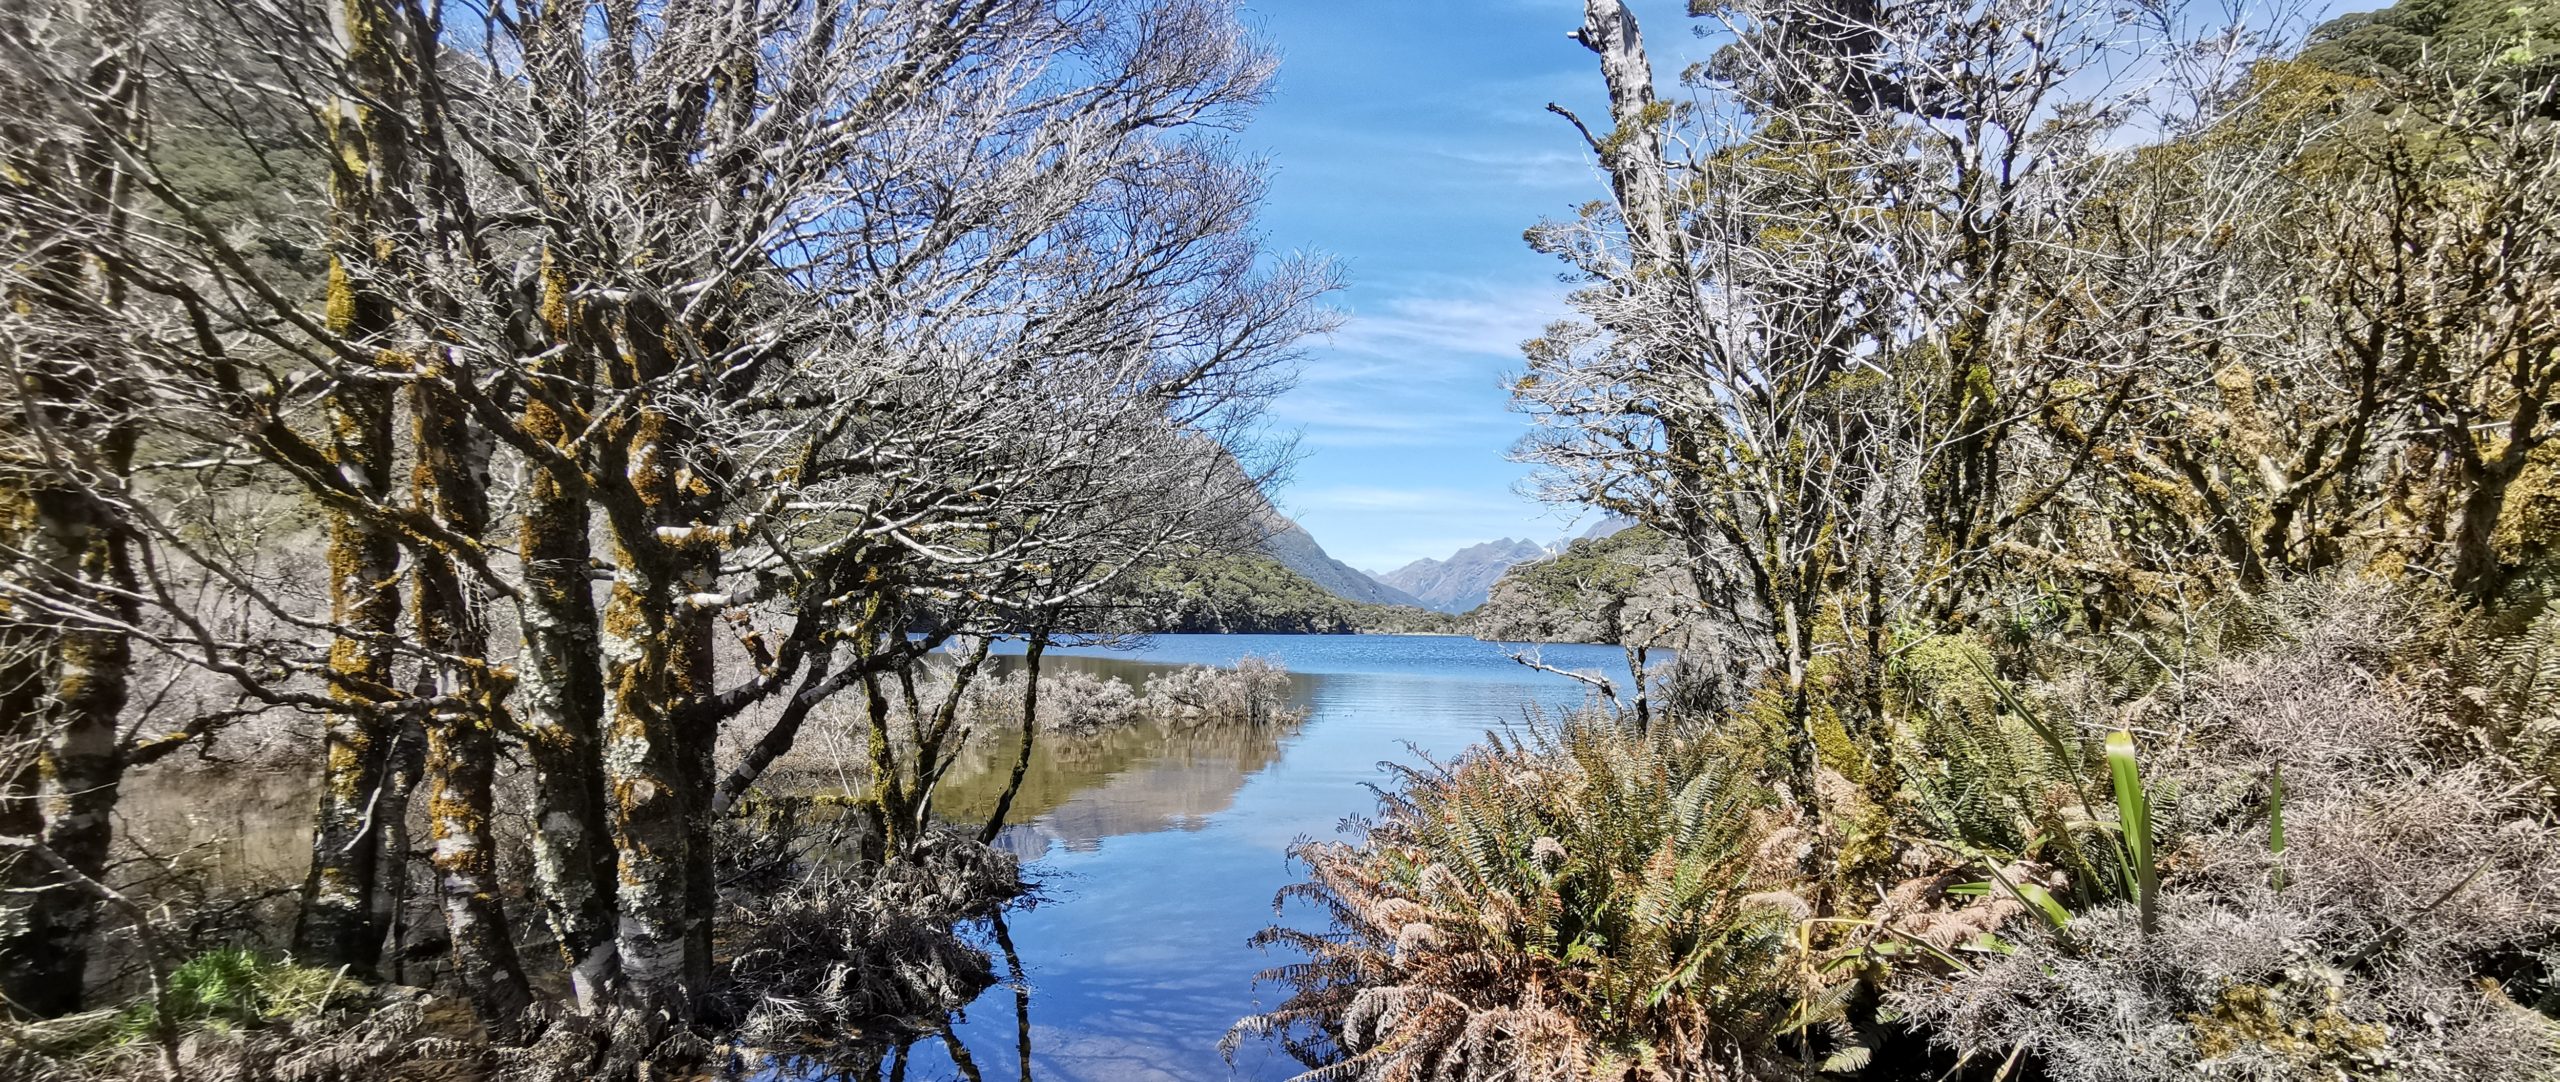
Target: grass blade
{"x": 2133, "y": 811}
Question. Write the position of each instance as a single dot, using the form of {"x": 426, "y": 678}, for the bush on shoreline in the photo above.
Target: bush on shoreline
{"x": 1254, "y": 691}
{"x": 1574, "y": 900}
{"x": 1582, "y": 900}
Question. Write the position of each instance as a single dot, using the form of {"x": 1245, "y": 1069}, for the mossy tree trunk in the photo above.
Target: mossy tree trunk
{"x": 69, "y": 437}
{"x": 451, "y": 480}
{"x": 369, "y": 165}
{"x": 656, "y": 639}
{"x": 83, "y": 762}
{"x": 559, "y": 698}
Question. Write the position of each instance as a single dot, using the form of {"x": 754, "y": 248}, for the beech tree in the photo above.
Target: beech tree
{"x": 854, "y": 328}
{"x": 1910, "y": 297}
{"x": 1829, "y": 304}
{"x": 67, "y": 443}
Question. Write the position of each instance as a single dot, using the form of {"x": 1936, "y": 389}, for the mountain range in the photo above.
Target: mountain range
{"x": 1292, "y": 585}
{"x": 1460, "y": 582}
{"x": 1466, "y": 578}
{"x": 1297, "y": 550}
{"x": 1509, "y": 588}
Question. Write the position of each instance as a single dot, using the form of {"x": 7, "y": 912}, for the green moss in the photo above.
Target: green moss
{"x": 2298, "y": 1019}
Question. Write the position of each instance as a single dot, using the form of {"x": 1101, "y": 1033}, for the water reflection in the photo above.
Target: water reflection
{"x": 1158, "y": 847}
{"x": 1161, "y": 849}
{"x": 1135, "y": 779}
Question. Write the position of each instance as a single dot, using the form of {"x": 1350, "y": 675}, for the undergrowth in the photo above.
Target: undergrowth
{"x": 2304, "y": 836}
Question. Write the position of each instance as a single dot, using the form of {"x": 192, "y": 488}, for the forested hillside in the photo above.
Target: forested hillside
{"x": 1461, "y": 582}
{"x": 1251, "y": 594}
{"x": 2109, "y": 449}
{"x": 532, "y": 419}
{"x": 1295, "y": 549}
{"x": 1627, "y": 586}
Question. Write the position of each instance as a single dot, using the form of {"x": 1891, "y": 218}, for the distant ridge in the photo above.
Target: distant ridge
{"x": 1609, "y": 525}
{"x": 1297, "y": 550}
{"x": 1462, "y": 581}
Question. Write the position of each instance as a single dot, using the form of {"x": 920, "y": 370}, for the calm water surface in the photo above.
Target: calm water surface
{"x": 1158, "y": 848}
{"x": 1161, "y": 851}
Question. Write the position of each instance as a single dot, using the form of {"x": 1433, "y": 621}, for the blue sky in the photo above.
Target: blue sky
{"x": 1409, "y": 139}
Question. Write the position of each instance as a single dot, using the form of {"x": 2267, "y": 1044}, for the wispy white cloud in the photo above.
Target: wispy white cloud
{"x": 1527, "y": 168}
{"x": 1561, "y": 169}
{"x": 1346, "y": 418}
{"x": 1460, "y": 325}
{"x": 1411, "y": 501}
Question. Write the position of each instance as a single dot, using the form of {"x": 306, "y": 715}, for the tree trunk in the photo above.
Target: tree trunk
{"x": 402, "y": 761}
{"x": 654, "y": 651}
{"x": 2477, "y": 571}
{"x": 559, "y": 696}
{"x": 73, "y": 436}
{"x": 888, "y": 796}
{"x": 1633, "y": 152}
{"x": 369, "y": 164}
{"x": 1635, "y": 679}
{"x": 462, "y": 747}
{"x": 22, "y": 874}
{"x": 645, "y": 796}
{"x": 931, "y": 763}
{"x": 1030, "y": 728}
{"x": 92, "y": 670}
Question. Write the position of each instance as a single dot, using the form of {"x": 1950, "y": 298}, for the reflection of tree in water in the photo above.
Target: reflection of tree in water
{"x": 1145, "y": 776}
{"x": 890, "y": 1060}
{"x": 1139, "y": 778}
{"x": 1150, "y": 775}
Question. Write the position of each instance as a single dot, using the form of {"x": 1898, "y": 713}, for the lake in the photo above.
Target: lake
{"x": 1158, "y": 848}
{"x": 1159, "y": 852}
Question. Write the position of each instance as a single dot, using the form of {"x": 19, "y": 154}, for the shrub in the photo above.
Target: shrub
{"x": 2404, "y": 930}
{"x": 1077, "y": 701}
{"x": 1575, "y": 901}
{"x": 247, "y": 1017}
{"x": 866, "y": 948}
{"x": 1255, "y": 691}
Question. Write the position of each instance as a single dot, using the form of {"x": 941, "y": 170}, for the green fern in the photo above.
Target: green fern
{"x": 2513, "y": 687}
{"x": 1576, "y": 887}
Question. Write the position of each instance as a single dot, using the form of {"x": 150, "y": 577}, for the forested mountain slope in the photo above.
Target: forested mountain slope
{"x": 1597, "y": 590}
{"x": 1251, "y": 594}
{"x": 1297, "y": 550}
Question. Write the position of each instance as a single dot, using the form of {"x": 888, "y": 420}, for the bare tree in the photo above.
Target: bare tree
{"x": 885, "y": 323}
{"x": 67, "y": 442}
{"x": 1841, "y": 335}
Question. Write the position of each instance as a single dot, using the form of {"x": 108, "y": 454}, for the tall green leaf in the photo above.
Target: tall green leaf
{"x": 2133, "y": 812}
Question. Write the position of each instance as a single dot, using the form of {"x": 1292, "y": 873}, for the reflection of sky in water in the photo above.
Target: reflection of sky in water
{"x": 1159, "y": 870}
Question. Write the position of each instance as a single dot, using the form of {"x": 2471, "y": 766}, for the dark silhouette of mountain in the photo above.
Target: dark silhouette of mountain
{"x": 1461, "y": 582}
